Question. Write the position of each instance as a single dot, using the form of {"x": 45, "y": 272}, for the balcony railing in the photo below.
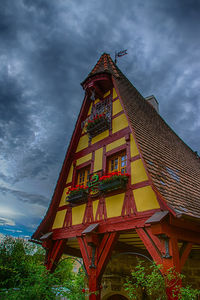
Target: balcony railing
{"x": 99, "y": 119}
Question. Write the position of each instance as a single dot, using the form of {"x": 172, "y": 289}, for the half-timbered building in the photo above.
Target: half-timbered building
{"x": 128, "y": 185}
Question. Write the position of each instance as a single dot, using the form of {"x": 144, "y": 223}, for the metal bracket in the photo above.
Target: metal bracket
{"x": 92, "y": 266}
{"x": 166, "y": 241}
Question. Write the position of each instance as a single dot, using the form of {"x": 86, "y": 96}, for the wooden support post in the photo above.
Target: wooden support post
{"x": 161, "y": 240}
{"x": 94, "y": 286}
{"x": 164, "y": 251}
{"x": 53, "y": 254}
{"x": 96, "y": 253}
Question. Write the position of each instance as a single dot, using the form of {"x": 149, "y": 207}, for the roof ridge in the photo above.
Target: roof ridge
{"x": 105, "y": 64}
{"x": 114, "y": 66}
{"x": 96, "y": 66}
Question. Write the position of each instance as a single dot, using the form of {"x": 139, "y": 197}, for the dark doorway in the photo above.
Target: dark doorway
{"x": 117, "y": 297}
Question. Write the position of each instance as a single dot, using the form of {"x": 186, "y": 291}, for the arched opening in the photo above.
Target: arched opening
{"x": 118, "y": 269}
{"x": 117, "y": 297}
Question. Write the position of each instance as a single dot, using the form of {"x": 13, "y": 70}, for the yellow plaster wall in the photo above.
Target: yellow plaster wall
{"x": 117, "y": 107}
{"x": 77, "y": 214}
{"x": 59, "y": 219}
{"x": 138, "y": 172}
{"x": 83, "y": 143}
{"x": 114, "y": 94}
{"x": 106, "y": 94}
{"x": 114, "y": 205}
{"x": 100, "y": 137}
{"x": 96, "y": 101}
{"x": 83, "y": 159}
{"x": 95, "y": 205}
{"x": 98, "y": 159}
{"x": 134, "y": 149}
{"x": 119, "y": 123}
{"x": 63, "y": 198}
{"x": 145, "y": 199}
{"x": 83, "y": 131}
{"x": 69, "y": 177}
{"x": 90, "y": 109}
{"x": 115, "y": 144}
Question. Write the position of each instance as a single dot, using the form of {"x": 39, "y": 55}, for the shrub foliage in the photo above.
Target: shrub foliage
{"x": 23, "y": 275}
{"x": 149, "y": 283}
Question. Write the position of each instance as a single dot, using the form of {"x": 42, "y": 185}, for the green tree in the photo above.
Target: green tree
{"x": 23, "y": 275}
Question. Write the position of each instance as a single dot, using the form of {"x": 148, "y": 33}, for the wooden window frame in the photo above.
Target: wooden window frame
{"x": 78, "y": 172}
{"x": 119, "y": 156}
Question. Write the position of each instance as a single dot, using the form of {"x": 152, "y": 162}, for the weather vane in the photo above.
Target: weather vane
{"x": 119, "y": 54}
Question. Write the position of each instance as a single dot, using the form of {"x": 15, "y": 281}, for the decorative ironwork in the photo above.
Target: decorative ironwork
{"x": 93, "y": 184}
{"x": 100, "y": 118}
{"x": 166, "y": 241}
{"x": 100, "y": 124}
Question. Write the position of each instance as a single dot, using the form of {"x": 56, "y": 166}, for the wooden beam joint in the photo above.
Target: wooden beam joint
{"x": 96, "y": 250}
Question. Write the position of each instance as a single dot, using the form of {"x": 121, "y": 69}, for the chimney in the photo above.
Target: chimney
{"x": 152, "y": 100}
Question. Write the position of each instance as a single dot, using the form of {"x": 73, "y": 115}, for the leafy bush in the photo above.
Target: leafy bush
{"x": 23, "y": 275}
{"x": 148, "y": 283}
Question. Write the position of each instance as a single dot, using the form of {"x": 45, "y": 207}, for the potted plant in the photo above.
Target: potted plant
{"x": 97, "y": 124}
{"x": 77, "y": 194}
{"x": 113, "y": 181}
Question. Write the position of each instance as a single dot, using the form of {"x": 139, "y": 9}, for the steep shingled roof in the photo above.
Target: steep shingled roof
{"x": 173, "y": 166}
{"x": 105, "y": 64}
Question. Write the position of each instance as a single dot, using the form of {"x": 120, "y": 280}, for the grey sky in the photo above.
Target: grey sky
{"x": 48, "y": 47}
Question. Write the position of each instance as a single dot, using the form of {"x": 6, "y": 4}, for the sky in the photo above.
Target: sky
{"x": 47, "y": 48}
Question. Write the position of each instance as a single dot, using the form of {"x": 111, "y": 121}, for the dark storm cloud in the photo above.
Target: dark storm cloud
{"x": 48, "y": 47}
{"x": 25, "y": 197}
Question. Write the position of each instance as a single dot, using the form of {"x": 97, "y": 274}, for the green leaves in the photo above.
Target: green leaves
{"x": 23, "y": 275}
{"x": 147, "y": 282}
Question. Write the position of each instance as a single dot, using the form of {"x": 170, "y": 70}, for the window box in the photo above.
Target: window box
{"x": 113, "y": 183}
{"x": 77, "y": 197}
{"x": 97, "y": 125}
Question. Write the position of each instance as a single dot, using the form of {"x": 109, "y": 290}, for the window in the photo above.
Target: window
{"x": 103, "y": 106}
{"x": 83, "y": 176}
{"x": 118, "y": 163}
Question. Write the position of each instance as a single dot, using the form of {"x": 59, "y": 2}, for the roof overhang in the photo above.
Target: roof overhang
{"x": 99, "y": 83}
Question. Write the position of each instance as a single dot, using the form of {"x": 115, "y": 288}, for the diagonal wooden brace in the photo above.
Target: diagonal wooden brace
{"x": 54, "y": 254}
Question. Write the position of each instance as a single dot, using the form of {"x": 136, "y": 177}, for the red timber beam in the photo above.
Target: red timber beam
{"x": 54, "y": 251}
{"x": 184, "y": 253}
{"x": 161, "y": 241}
{"x": 111, "y": 225}
{"x": 164, "y": 251}
{"x": 96, "y": 250}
